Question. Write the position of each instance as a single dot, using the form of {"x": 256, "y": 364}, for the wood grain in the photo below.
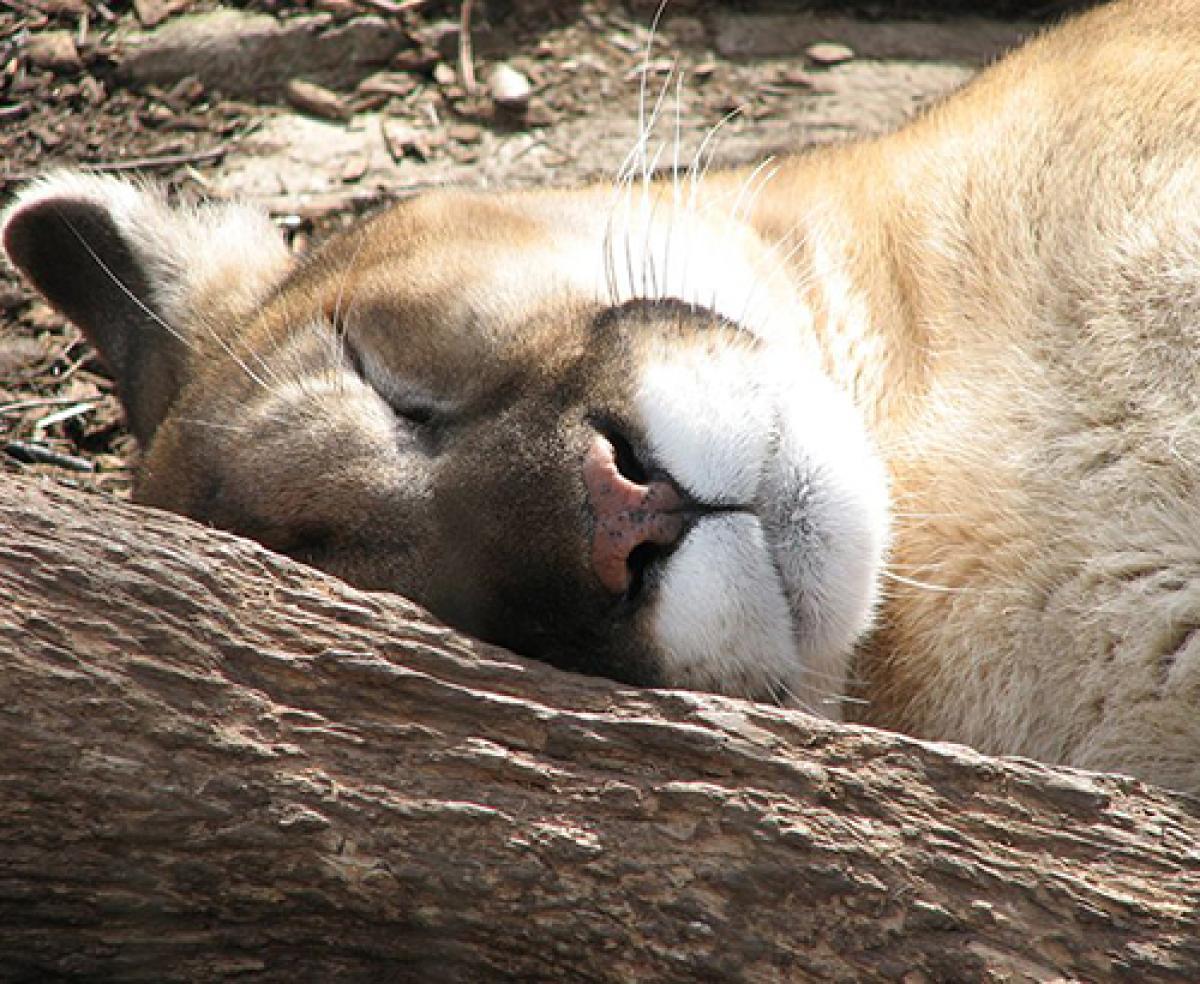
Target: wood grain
{"x": 220, "y": 764}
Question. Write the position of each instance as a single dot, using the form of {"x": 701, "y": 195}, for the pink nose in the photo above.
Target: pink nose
{"x": 627, "y": 515}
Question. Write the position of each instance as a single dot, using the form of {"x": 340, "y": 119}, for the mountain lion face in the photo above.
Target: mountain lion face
{"x": 586, "y": 428}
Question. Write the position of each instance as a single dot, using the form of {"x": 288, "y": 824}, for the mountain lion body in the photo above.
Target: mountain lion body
{"x": 912, "y": 420}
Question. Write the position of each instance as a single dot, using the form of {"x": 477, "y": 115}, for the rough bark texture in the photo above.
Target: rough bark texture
{"x": 219, "y": 764}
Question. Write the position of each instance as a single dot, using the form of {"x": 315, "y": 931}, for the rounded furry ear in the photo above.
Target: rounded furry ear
{"x": 133, "y": 272}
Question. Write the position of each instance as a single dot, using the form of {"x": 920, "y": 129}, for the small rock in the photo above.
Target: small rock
{"x": 157, "y": 115}
{"x": 625, "y": 43}
{"x": 795, "y": 76}
{"x": 827, "y": 53}
{"x": 465, "y": 133}
{"x": 403, "y": 141}
{"x": 153, "y": 12}
{"x": 316, "y": 99}
{"x": 110, "y": 463}
{"x": 444, "y": 75}
{"x": 42, "y": 317}
{"x": 387, "y": 84}
{"x": 509, "y": 88}
{"x": 354, "y": 169}
{"x": 291, "y": 223}
{"x": 540, "y": 115}
{"x": 420, "y": 60}
{"x": 54, "y": 50}
{"x": 464, "y": 154}
{"x": 62, "y": 8}
{"x": 19, "y": 353}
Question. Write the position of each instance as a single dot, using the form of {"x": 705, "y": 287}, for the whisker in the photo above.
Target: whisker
{"x": 153, "y": 315}
{"x": 145, "y": 309}
{"x": 911, "y": 582}
{"x": 213, "y": 425}
{"x": 801, "y": 694}
{"x": 707, "y": 145}
{"x": 647, "y": 217}
{"x": 751, "y": 179}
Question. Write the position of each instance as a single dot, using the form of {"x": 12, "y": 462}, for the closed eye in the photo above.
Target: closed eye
{"x": 411, "y": 407}
{"x": 413, "y": 413}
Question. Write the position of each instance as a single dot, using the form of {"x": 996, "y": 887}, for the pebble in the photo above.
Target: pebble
{"x": 403, "y": 140}
{"x": 19, "y": 353}
{"x": 353, "y": 170}
{"x": 828, "y": 53}
{"x": 387, "y": 84}
{"x": 509, "y": 88}
{"x": 316, "y": 99}
{"x": 54, "y": 50}
{"x": 42, "y": 317}
{"x": 151, "y": 13}
{"x": 420, "y": 60}
{"x": 795, "y": 76}
{"x": 62, "y": 8}
{"x": 465, "y": 133}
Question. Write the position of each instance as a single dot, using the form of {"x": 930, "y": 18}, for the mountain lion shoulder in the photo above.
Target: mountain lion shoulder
{"x": 908, "y": 427}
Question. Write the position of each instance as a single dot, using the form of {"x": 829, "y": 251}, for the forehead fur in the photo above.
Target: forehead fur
{"x": 496, "y": 260}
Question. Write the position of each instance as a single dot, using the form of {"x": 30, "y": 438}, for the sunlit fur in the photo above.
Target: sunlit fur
{"x": 946, "y": 378}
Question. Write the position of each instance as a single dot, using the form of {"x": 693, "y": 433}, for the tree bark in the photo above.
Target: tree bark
{"x": 220, "y": 764}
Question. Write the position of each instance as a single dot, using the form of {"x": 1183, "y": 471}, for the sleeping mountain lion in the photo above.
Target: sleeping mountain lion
{"x": 904, "y": 430}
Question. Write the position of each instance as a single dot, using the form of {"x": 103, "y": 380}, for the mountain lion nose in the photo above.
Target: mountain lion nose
{"x": 634, "y": 521}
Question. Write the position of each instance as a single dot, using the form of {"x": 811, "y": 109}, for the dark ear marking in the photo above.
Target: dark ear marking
{"x": 73, "y": 252}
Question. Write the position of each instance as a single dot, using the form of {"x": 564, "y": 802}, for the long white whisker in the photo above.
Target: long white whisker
{"x": 695, "y": 170}
{"x": 758, "y": 180}
{"x": 751, "y": 188}
{"x": 922, "y": 585}
{"x": 213, "y": 425}
{"x": 649, "y": 211}
{"x": 151, "y": 313}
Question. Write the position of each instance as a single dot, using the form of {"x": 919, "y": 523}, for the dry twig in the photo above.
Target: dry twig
{"x": 466, "y": 65}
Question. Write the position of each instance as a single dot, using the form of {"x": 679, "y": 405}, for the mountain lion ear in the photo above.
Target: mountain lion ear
{"x": 133, "y": 273}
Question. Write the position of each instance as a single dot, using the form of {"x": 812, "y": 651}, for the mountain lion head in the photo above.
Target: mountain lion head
{"x": 584, "y": 426}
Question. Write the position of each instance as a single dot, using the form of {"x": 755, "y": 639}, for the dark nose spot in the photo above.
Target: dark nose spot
{"x": 630, "y": 517}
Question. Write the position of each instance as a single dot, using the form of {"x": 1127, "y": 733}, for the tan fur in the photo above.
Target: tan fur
{"x": 1025, "y": 334}
{"x": 1008, "y": 290}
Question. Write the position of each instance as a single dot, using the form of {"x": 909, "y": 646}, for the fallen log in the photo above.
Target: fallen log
{"x": 217, "y": 763}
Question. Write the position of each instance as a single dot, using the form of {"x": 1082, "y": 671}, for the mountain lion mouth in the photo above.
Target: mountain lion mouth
{"x": 638, "y": 520}
{"x": 778, "y": 578}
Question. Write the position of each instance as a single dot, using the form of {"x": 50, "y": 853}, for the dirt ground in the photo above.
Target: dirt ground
{"x": 321, "y": 111}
